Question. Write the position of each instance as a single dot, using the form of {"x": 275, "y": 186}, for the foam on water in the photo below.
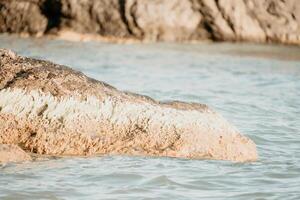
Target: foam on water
{"x": 255, "y": 87}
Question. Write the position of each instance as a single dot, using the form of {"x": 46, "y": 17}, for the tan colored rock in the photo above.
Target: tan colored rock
{"x": 12, "y": 153}
{"x": 157, "y": 20}
{"x": 164, "y": 20}
{"x": 54, "y": 110}
{"x": 23, "y": 17}
{"x": 244, "y": 26}
{"x": 280, "y": 20}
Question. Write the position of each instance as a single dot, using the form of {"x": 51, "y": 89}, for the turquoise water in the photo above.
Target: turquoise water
{"x": 256, "y": 87}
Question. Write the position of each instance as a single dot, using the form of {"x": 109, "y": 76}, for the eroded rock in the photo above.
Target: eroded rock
{"x": 12, "y": 153}
{"x": 54, "y": 110}
{"x": 157, "y": 20}
{"x": 24, "y": 17}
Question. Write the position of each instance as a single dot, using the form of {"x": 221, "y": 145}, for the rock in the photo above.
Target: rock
{"x": 162, "y": 20}
{"x": 157, "y": 20}
{"x": 102, "y": 17}
{"x": 23, "y": 17}
{"x": 280, "y": 20}
{"x": 54, "y": 110}
{"x": 12, "y": 153}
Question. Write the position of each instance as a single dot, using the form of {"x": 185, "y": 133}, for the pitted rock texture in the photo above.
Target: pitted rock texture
{"x": 51, "y": 109}
{"x": 12, "y": 153}
{"x": 157, "y": 20}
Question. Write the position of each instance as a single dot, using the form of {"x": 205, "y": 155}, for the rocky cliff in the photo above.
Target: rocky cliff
{"x": 158, "y": 20}
{"x": 51, "y": 109}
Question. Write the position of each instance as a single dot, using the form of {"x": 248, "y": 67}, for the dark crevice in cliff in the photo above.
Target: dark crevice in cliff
{"x": 206, "y": 23}
{"x": 122, "y": 6}
{"x": 208, "y": 28}
{"x": 52, "y": 10}
{"x": 134, "y": 20}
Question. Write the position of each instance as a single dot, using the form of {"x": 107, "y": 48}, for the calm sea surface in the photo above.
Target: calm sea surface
{"x": 256, "y": 87}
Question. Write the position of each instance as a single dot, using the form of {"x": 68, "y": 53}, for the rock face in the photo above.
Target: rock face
{"x": 22, "y": 17}
{"x": 51, "y": 109}
{"x": 158, "y": 20}
{"x": 12, "y": 153}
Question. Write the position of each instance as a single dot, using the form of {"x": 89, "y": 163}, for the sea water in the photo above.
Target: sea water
{"x": 256, "y": 87}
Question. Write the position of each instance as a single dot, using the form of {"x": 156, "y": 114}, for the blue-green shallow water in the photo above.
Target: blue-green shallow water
{"x": 256, "y": 87}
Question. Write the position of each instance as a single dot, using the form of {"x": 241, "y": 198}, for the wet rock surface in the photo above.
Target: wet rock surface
{"x": 157, "y": 20}
{"x": 53, "y": 110}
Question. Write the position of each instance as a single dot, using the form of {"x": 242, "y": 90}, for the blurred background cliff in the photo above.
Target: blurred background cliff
{"x": 276, "y": 21}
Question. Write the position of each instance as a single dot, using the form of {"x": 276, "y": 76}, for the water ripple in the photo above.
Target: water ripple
{"x": 260, "y": 95}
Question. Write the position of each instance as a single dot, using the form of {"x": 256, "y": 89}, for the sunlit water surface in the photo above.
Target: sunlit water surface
{"x": 256, "y": 87}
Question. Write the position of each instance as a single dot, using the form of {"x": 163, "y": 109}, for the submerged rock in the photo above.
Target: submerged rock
{"x": 54, "y": 110}
{"x": 156, "y": 20}
{"x": 12, "y": 153}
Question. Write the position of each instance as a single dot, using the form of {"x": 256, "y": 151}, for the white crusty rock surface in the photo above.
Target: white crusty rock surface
{"x": 51, "y": 109}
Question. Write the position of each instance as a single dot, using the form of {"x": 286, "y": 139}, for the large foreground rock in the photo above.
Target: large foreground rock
{"x": 12, "y": 153}
{"x": 51, "y": 109}
{"x": 153, "y": 20}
